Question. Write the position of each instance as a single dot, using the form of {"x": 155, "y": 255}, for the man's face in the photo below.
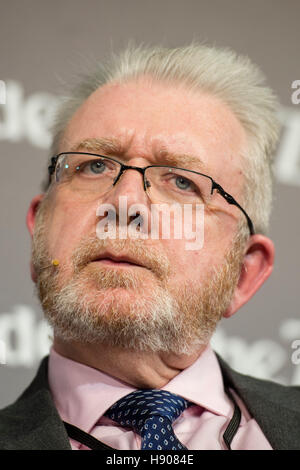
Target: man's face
{"x": 145, "y": 121}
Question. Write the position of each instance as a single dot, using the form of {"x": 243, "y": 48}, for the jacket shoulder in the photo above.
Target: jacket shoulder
{"x": 32, "y": 421}
{"x": 284, "y": 395}
{"x": 275, "y": 407}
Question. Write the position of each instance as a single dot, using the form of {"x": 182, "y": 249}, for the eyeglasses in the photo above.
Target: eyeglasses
{"x": 89, "y": 173}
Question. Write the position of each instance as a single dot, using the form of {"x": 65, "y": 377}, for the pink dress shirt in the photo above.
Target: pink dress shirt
{"x": 83, "y": 394}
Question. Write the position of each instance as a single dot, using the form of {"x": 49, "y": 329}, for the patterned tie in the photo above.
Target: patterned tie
{"x": 151, "y": 414}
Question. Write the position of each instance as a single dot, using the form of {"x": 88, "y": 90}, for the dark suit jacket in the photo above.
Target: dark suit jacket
{"x": 33, "y": 423}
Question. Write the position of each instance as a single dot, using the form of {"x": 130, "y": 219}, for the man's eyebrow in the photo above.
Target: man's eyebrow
{"x": 182, "y": 160}
{"x": 112, "y": 146}
{"x": 107, "y": 146}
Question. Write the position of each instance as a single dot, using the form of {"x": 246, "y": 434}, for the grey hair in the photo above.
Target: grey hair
{"x": 232, "y": 78}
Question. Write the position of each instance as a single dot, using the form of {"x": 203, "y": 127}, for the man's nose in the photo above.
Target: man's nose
{"x": 128, "y": 195}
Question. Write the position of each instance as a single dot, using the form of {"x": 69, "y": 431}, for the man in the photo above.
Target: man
{"x": 191, "y": 128}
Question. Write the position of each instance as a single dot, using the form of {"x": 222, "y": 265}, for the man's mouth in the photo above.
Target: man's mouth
{"x": 117, "y": 261}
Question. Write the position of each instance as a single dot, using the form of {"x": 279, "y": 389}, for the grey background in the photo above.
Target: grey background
{"x": 42, "y": 45}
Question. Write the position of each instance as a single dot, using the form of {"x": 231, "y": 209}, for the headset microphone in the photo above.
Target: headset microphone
{"x": 54, "y": 263}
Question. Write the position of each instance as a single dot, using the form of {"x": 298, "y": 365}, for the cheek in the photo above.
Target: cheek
{"x": 197, "y": 264}
{"x": 68, "y": 223}
{"x": 186, "y": 265}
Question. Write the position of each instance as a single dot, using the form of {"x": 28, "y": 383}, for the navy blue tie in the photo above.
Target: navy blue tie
{"x": 151, "y": 414}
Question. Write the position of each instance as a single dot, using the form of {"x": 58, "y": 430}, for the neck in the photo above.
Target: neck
{"x": 138, "y": 369}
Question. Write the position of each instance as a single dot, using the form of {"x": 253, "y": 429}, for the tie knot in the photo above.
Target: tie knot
{"x": 135, "y": 409}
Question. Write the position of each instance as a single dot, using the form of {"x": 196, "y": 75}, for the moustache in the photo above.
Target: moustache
{"x": 91, "y": 249}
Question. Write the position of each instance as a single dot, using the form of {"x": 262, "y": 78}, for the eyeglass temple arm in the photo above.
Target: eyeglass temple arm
{"x": 230, "y": 199}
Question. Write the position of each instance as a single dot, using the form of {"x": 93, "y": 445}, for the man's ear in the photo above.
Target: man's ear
{"x": 257, "y": 266}
{"x": 30, "y": 222}
{"x": 31, "y": 213}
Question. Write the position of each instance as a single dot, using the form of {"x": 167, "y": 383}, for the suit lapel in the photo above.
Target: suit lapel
{"x": 40, "y": 425}
{"x": 276, "y": 408}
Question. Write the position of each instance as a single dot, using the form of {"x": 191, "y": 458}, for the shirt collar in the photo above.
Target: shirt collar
{"x": 82, "y": 394}
{"x": 202, "y": 383}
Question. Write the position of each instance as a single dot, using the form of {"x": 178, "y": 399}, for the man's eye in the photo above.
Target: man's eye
{"x": 183, "y": 183}
{"x": 93, "y": 167}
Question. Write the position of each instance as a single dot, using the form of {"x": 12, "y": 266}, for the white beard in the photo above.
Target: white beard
{"x": 129, "y": 309}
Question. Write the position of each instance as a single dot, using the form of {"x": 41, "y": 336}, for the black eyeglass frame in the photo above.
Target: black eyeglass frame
{"x": 215, "y": 186}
